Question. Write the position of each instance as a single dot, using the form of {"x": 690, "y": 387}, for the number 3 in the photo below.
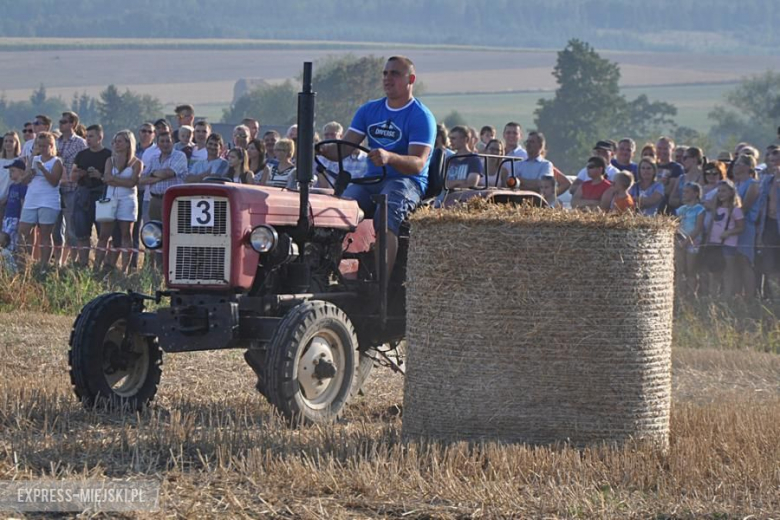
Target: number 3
{"x": 202, "y": 214}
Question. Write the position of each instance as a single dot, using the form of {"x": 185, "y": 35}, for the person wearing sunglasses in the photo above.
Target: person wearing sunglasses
{"x": 68, "y": 146}
{"x": 40, "y": 124}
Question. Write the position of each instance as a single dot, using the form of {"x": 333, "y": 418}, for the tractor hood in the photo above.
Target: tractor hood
{"x": 275, "y": 206}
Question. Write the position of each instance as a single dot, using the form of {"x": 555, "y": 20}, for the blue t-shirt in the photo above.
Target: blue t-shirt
{"x": 631, "y": 167}
{"x": 688, "y": 216}
{"x": 458, "y": 168}
{"x": 16, "y": 194}
{"x": 636, "y": 192}
{"x": 217, "y": 167}
{"x": 394, "y": 129}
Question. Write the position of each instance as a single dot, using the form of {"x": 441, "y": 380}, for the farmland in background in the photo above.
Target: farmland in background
{"x": 485, "y": 85}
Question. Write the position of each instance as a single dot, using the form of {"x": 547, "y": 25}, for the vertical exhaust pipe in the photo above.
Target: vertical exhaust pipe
{"x": 305, "y": 161}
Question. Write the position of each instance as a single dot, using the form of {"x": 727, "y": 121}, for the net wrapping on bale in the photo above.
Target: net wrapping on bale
{"x": 539, "y": 326}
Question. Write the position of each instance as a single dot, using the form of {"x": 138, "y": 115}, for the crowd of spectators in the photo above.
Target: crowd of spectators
{"x": 51, "y": 181}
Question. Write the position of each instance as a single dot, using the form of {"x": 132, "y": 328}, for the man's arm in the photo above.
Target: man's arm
{"x": 411, "y": 164}
{"x": 330, "y": 151}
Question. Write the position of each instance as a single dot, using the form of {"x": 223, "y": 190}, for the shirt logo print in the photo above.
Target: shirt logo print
{"x": 386, "y": 134}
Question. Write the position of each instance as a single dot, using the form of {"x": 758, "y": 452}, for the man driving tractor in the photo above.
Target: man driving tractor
{"x": 401, "y": 132}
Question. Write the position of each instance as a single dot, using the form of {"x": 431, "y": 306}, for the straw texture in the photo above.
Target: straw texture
{"x": 538, "y": 326}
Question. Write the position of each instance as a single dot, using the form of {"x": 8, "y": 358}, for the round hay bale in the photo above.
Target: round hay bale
{"x": 538, "y": 326}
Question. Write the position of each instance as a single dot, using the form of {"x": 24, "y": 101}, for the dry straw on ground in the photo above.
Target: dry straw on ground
{"x": 539, "y": 326}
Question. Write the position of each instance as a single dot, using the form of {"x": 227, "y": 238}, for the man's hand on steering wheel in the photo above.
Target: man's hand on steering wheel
{"x": 379, "y": 157}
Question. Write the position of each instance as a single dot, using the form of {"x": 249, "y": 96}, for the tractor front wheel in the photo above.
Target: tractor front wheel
{"x": 109, "y": 365}
{"x": 311, "y": 364}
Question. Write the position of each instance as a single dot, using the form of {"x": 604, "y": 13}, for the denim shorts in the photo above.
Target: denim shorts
{"x": 41, "y": 216}
{"x": 403, "y": 195}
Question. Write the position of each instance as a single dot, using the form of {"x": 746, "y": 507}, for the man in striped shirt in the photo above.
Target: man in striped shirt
{"x": 68, "y": 146}
{"x": 167, "y": 169}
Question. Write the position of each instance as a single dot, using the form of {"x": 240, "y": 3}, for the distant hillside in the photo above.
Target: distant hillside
{"x": 720, "y": 26}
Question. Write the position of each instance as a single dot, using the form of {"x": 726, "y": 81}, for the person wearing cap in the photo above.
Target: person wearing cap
{"x": 748, "y": 190}
{"x": 594, "y": 193}
{"x": 724, "y": 156}
{"x": 13, "y": 208}
{"x": 606, "y": 150}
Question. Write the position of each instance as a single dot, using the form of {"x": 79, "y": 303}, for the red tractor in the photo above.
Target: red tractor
{"x": 291, "y": 277}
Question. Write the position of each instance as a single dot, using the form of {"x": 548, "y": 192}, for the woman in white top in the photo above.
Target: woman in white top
{"x": 42, "y": 202}
{"x": 121, "y": 180}
{"x": 10, "y": 151}
{"x": 282, "y": 175}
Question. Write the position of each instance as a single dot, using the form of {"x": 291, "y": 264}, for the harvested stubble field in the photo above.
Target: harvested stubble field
{"x": 219, "y": 451}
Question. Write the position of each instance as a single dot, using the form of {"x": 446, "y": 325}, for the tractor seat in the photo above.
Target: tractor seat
{"x": 435, "y": 175}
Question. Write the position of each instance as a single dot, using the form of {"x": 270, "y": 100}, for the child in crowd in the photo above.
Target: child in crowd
{"x": 13, "y": 210}
{"x": 726, "y": 225}
{"x": 548, "y": 190}
{"x": 7, "y": 262}
{"x": 185, "y": 138}
{"x": 622, "y": 201}
{"x": 689, "y": 235}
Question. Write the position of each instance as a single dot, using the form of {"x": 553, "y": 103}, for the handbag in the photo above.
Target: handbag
{"x": 105, "y": 207}
{"x": 711, "y": 255}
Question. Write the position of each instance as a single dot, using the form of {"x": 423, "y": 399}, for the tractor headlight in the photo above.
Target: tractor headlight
{"x": 263, "y": 239}
{"x": 152, "y": 234}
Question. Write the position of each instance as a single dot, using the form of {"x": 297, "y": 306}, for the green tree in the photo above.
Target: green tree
{"x": 16, "y": 113}
{"x": 274, "y": 105}
{"x": 344, "y": 83}
{"x": 128, "y": 110}
{"x": 86, "y": 107}
{"x": 584, "y": 105}
{"x": 751, "y": 114}
{"x": 588, "y": 106}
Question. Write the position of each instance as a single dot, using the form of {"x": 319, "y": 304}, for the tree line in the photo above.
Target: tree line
{"x": 587, "y": 106}
{"x": 611, "y": 24}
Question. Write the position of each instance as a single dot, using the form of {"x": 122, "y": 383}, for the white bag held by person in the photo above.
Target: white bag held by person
{"x": 105, "y": 208}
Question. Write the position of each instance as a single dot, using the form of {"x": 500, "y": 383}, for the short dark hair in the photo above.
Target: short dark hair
{"x": 184, "y": 108}
{"x": 250, "y": 120}
{"x": 273, "y": 133}
{"x": 95, "y": 128}
{"x": 461, "y": 130}
{"x": 203, "y": 122}
{"x": 73, "y": 117}
{"x": 28, "y": 123}
{"x": 44, "y": 119}
{"x": 598, "y": 161}
{"x": 487, "y": 128}
{"x": 406, "y": 61}
{"x": 514, "y": 123}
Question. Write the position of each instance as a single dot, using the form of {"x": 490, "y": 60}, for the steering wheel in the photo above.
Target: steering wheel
{"x": 341, "y": 179}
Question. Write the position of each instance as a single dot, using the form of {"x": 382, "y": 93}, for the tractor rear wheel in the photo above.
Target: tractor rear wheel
{"x": 312, "y": 363}
{"x": 109, "y": 365}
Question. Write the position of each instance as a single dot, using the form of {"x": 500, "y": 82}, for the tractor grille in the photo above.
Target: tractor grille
{"x": 200, "y": 263}
{"x": 184, "y": 220}
{"x": 199, "y": 247}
